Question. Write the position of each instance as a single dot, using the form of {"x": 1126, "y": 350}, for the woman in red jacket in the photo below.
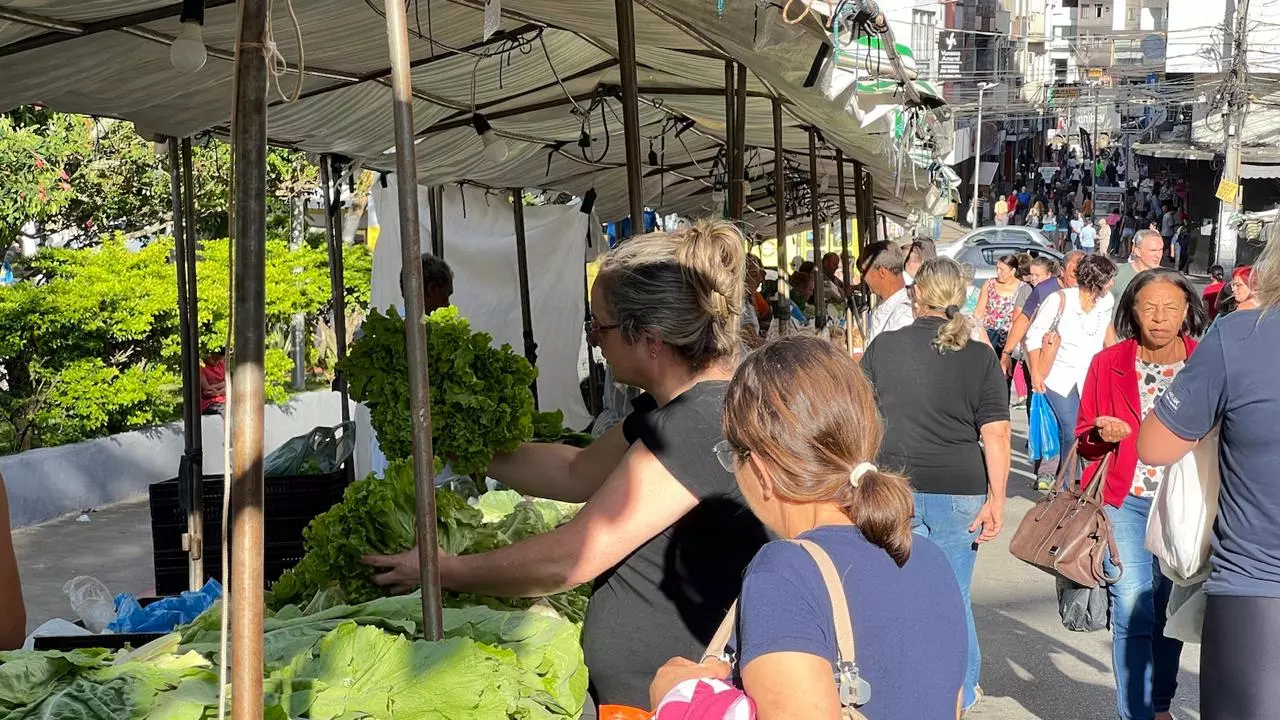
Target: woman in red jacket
{"x": 1156, "y": 318}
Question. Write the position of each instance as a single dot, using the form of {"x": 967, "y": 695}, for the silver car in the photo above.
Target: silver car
{"x": 984, "y": 256}
{"x": 1008, "y": 234}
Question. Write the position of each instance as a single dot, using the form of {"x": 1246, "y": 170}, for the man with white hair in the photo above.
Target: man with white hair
{"x": 1148, "y": 249}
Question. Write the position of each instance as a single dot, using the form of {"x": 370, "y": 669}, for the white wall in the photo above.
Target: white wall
{"x": 47, "y": 483}
{"x": 1191, "y": 25}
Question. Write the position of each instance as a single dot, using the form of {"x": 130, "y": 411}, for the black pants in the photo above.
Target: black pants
{"x": 1240, "y": 659}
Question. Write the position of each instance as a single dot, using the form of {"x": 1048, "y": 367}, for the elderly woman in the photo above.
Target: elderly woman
{"x": 809, "y": 473}
{"x": 1158, "y": 317}
{"x": 946, "y": 407}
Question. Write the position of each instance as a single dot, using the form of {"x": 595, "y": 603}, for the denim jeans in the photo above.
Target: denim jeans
{"x": 1145, "y": 662}
{"x": 945, "y": 519}
{"x": 1066, "y": 409}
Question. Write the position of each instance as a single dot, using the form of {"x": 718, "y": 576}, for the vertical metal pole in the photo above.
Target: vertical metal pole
{"x": 195, "y": 455}
{"x": 869, "y": 196}
{"x": 435, "y": 203}
{"x": 522, "y": 270}
{"x": 730, "y": 143}
{"x": 337, "y": 273}
{"x": 625, "y": 17}
{"x": 844, "y": 251}
{"x": 190, "y": 467}
{"x": 819, "y": 282}
{"x": 977, "y": 165}
{"x": 780, "y": 215}
{"x": 249, "y": 137}
{"x": 740, "y": 140}
{"x": 415, "y": 327}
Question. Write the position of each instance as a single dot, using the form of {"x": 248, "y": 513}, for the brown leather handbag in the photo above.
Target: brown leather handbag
{"x": 1067, "y": 533}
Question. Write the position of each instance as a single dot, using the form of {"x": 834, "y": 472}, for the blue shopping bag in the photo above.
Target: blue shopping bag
{"x": 1042, "y": 430}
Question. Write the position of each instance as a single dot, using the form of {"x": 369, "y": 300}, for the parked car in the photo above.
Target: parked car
{"x": 1010, "y": 234}
{"x": 983, "y": 256}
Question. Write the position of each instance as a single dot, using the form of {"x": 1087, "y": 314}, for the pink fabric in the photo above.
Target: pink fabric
{"x": 1019, "y": 382}
{"x": 705, "y": 700}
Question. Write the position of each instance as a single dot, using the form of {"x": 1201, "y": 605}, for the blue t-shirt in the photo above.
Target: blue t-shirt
{"x": 908, "y": 622}
{"x": 1231, "y": 379}
{"x": 1038, "y": 294}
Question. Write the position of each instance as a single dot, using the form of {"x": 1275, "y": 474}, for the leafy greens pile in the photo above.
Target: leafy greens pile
{"x": 480, "y": 398}
{"x": 376, "y": 516}
{"x": 344, "y": 662}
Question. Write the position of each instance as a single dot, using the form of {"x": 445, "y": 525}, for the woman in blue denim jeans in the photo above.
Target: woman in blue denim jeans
{"x": 945, "y": 402}
{"x": 1158, "y": 315}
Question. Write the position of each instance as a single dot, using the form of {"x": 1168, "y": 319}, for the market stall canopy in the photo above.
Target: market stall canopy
{"x": 548, "y": 77}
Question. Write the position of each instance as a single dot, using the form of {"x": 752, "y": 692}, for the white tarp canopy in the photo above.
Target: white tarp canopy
{"x": 479, "y": 236}
{"x": 551, "y": 73}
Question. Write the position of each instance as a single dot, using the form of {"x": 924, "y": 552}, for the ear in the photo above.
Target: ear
{"x": 762, "y": 476}
{"x": 652, "y": 342}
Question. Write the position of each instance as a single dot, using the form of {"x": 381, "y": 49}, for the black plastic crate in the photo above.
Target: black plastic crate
{"x": 290, "y": 504}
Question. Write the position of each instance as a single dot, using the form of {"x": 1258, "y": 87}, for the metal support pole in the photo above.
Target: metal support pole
{"x": 190, "y": 482}
{"x": 977, "y": 162}
{"x": 625, "y": 17}
{"x": 249, "y": 147}
{"x": 844, "y": 252}
{"x": 337, "y": 273}
{"x": 522, "y": 270}
{"x": 869, "y": 199}
{"x": 819, "y": 282}
{"x": 780, "y": 216}
{"x": 730, "y": 143}
{"x": 859, "y": 203}
{"x": 435, "y": 202}
{"x": 736, "y": 104}
{"x": 415, "y": 327}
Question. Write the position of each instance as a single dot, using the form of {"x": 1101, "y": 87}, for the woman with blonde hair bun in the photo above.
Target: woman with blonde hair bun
{"x": 945, "y": 403}
{"x": 665, "y": 534}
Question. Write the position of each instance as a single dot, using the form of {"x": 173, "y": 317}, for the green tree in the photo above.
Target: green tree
{"x": 38, "y": 151}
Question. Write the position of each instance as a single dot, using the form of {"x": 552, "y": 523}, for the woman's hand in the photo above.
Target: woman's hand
{"x": 1037, "y": 382}
{"x": 679, "y": 669}
{"x": 990, "y": 519}
{"x": 402, "y": 572}
{"x": 1111, "y": 429}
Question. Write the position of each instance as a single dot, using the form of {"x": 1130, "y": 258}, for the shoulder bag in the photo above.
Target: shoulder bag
{"x": 1067, "y": 533}
{"x": 703, "y": 699}
{"x": 1052, "y": 340}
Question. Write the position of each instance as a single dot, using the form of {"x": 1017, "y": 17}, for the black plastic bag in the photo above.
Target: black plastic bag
{"x": 319, "y": 452}
{"x": 1082, "y": 609}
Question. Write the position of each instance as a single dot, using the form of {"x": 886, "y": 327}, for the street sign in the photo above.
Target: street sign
{"x": 950, "y": 56}
{"x": 1095, "y": 73}
{"x": 1153, "y": 47}
{"x": 1152, "y": 79}
{"x": 1227, "y": 191}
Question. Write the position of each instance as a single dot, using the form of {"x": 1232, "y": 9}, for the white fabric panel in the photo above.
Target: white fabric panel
{"x": 480, "y": 247}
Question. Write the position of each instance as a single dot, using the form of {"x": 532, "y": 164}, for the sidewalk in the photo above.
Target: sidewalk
{"x": 1032, "y": 667}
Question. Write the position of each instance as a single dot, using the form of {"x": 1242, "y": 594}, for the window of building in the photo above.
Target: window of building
{"x": 924, "y": 40}
{"x": 1060, "y": 70}
{"x": 1098, "y": 8}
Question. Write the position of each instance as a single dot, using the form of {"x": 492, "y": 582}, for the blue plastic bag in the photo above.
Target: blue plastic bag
{"x": 163, "y": 615}
{"x": 1042, "y": 430}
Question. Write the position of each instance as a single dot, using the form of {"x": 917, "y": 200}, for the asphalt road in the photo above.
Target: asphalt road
{"x": 1032, "y": 666}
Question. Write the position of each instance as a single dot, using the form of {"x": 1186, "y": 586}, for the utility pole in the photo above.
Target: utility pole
{"x": 977, "y": 155}
{"x": 1233, "y": 127}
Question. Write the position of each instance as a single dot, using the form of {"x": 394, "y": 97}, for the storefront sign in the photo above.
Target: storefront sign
{"x": 950, "y": 56}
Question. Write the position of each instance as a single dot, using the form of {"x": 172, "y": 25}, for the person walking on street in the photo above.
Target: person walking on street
{"x": 1147, "y": 247}
{"x": 946, "y": 408}
{"x": 1168, "y": 224}
{"x": 1217, "y": 278}
{"x": 998, "y": 300}
{"x": 1230, "y": 383}
{"x": 1002, "y": 211}
{"x": 1076, "y": 323}
{"x": 1157, "y": 319}
{"x": 1088, "y": 235}
{"x": 1045, "y": 282}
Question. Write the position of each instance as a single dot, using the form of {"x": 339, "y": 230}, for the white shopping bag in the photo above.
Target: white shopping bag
{"x": 1180, "y": 526}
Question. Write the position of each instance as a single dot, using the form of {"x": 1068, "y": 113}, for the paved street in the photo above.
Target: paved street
{"x": 1032, "y": 667}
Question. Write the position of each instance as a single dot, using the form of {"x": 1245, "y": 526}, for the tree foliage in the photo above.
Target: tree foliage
{"x": 89, "y": 342}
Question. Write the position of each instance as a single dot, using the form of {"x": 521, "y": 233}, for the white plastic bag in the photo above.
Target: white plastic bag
{"x": 1180, "y": 526}
{"x": 91, "y": 601}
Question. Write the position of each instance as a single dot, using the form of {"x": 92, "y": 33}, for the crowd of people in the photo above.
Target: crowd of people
{"x": 736, "y": 471}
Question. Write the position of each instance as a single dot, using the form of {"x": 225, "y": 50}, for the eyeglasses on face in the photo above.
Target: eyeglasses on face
{"x": 728, "y": 455}
{"x": 594, "y": 328}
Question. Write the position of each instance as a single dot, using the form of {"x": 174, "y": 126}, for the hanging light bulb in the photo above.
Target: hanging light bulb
{"x": 495, "y": 149}
{"x": 187, "y": 53}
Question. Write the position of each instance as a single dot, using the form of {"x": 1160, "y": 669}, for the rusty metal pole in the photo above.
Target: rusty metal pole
{"x": 819, "y": 282}
{"x": 522, "y": 271}
{"x": 740, "y": 141}
{"x": 337, "y": 273}
{"x": 780, "y": 217}
{"x": 625, "y": 18}
{"x": 869, "y": 193}
{"x": 732, "y": 170}
{"x": 249, "y": 138}
{"x": 415, "y": 322}
{"x": 844, "y": 252}
{"x": 190, "y": 468}
{"x": 860, "y": 207}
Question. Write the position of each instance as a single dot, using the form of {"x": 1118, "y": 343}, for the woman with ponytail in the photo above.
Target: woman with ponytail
{"x": 945, "y": 403}
{"x": 801, "y": 435}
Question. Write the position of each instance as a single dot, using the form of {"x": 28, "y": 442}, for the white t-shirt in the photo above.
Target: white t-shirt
{"x": 1083, "y": 336}
{"x": 894, "y": 313}
{"x": 1088, "y": 236}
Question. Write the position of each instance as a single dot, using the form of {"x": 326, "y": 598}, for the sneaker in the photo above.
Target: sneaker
{"x": 1044, "y": 482}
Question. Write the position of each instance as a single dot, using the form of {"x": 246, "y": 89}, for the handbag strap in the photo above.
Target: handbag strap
{"x": 1094, "y": 488}
{"x": 839, "y": 610}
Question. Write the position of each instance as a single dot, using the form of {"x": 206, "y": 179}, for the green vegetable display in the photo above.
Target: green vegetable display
{"x": 345, "y": 662}
{"x": 480, "y": 398}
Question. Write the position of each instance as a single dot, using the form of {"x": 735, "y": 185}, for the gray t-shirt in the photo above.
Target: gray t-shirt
{"x": 1231, "y": 379}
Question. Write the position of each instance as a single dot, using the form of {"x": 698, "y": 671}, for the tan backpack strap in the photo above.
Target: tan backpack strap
{"x": 715, "y": 650}
{"x": 839, "y": 602}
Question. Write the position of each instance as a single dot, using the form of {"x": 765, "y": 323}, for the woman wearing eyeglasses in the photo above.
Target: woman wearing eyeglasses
{"x": 941, "y": 395}
{"x": 665, "y": 533}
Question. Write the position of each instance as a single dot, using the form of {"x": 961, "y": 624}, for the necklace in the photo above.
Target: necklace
{"x": 1098, "y": 320}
